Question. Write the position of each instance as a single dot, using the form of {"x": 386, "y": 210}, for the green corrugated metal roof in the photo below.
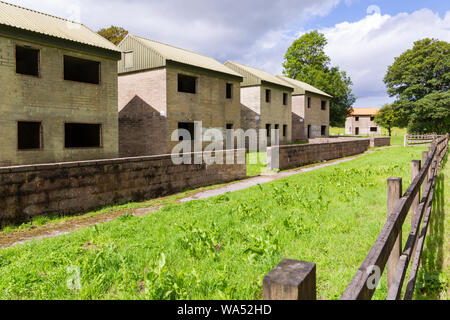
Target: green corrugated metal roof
{"x": 253, "y": 76}
{"x": 300, "y": 88}
{"x": 150, "y": 54}
{"x": 41, "y": 23}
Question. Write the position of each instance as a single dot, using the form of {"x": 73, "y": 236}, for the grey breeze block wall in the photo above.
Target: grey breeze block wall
{"x": 76, "y": 187}
{"x": 380, "y": 142}
{"x": 299, "y": 155}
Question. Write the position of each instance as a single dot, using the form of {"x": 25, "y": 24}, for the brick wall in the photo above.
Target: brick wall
{"x": 51, "y": 100}
{"x": 363, "y": 125}
{"x": 75, "y": 187}
{"x": 380, "y": 142}
{"x": 254, "y": 106}
{"x": 151, "y": 107}
{"x": 299, "y": 155}
{"x": 314, "y": 117}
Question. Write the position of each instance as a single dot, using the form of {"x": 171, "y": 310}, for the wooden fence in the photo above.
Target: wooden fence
{"x": 420, "y": 139}
{"x": 296, "y": 280}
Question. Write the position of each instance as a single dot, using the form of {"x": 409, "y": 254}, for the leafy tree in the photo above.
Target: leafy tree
{"x": 306, "y": 61}
{"x": 420, "y": 79}
{"x": 387, "y": 118}
{"x": 113, "y": 34}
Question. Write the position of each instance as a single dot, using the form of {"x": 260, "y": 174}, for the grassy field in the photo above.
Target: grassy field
{"x": 220, "y": 248}
{"x": 434, "y": 277}
{"x": 256, "y": 163}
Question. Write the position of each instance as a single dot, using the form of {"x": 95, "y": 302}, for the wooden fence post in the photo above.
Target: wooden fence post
{"x": 425, "y": 182}
{"x": 416, "y": 166}
{"x": 394, "y": 193}
{"x": 291, "y": 280}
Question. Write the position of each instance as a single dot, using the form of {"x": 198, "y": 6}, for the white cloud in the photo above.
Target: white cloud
{"x": 367, "y": 47}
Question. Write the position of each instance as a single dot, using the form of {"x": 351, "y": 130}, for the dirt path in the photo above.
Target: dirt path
{"x": 60, "y": 228}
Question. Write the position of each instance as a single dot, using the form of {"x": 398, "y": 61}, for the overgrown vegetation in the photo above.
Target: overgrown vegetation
{"x": 219, "y": 248}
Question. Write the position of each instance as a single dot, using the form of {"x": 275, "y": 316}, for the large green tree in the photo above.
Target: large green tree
{"x": 113, "y": 34}
{"x": 420, "y": 80}
{"x": 306, "y": 61}
{"x": 387, "y": 118}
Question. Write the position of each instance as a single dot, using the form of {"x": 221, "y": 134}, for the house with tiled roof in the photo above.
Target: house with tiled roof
{"x": 361, "y": 122}
{"x": 163, "y": 88}
{"x": 266, "y": 103}
{"x": 59, "y": 90}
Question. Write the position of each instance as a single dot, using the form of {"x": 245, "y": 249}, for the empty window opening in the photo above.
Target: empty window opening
{"x": 190, "y": 127}
{"x": 309, "y": 102}
{"x": 324, "y": 130}
{"x": 187, "y": 84}
{"x": 268, "y": 129}
{"x": 81, "y": 70}
{"x": 128, "y": 58}
{"x": 230, "y": 126}
{"x": 324, "y": 105}
{"x": 285, "y": 99}
{"x": 27, "y": 61}
{"x": 285, "y": 129}
{"x": 268, "y": 95}
{"x": 372, "y": 119}
{"x": 374, "y": 129}
{"x": 309, "y": 131}
{"x": 81, "y": 135}
{"x": 29, "y": 135}
{"x": 356, "y": 118}
{"x": 229, "y": 91}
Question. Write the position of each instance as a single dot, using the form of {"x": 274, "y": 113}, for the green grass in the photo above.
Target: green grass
{"x": 256, "y": 163}
{"x": 220, "y": 248}
{"x": 434, "y": 276}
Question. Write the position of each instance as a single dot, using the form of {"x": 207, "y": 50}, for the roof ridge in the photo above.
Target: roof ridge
{"x": 172, "y": 46}
{"x": 40, "y": 12}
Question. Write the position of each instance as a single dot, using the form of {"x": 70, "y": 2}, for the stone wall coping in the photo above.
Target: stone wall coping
{"x": 87, "y": 163}
{"x": 300, "y": 146}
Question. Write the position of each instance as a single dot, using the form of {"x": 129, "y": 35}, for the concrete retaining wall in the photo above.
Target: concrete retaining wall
{"x": 76, "y": 187}
{"x": 294, "y": 156}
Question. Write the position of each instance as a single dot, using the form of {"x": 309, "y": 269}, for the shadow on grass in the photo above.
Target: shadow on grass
{"x": 431, "y": 281}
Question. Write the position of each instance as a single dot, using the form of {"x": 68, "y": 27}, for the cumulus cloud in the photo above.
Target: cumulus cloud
{"x": 367, "y": 47}
{"x": 225, "y": 29}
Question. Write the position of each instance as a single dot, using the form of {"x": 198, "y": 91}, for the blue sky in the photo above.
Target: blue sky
{"x": 357, "y": 10}
{"x": 361, "y": 42}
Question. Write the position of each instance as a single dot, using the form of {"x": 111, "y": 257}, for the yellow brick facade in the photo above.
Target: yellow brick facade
{"x": 257, "y": 113}
{"x": 51, "y": 100}
{"x": 157, "y": 90}
{"x": 314, "y": 117}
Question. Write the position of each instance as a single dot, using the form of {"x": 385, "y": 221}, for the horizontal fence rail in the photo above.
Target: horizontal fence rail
{"x": 420, "y": 139}
{"x": 293, "y": 279}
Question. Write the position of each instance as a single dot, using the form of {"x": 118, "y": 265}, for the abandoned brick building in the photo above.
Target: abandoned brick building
{"x": 163, "y": 88}
{"x": 266, "y": 102}
{"x": 361, "y": 122}
{"x": 310, "y": 111}
{"x": 59, "y": 90}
